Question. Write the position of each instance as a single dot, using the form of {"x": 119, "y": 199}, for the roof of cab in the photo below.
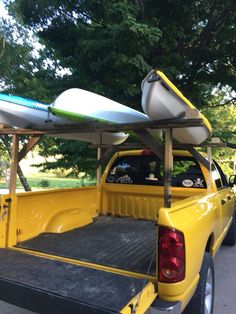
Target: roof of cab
{"x": 150, "y": 152}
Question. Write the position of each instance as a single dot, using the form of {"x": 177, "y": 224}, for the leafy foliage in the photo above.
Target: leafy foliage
{"x": 70, "y": 155}
{"x": 109, "y": 46}
{"x": 224, "y": 120}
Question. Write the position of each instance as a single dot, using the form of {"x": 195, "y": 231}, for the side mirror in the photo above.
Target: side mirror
{"x": 232, "y": 180}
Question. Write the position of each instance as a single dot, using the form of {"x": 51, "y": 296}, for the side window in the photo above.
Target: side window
{"x": 187, "y": 173}
{"x": 223, "y": 177}
{"x": 216, "y": 177}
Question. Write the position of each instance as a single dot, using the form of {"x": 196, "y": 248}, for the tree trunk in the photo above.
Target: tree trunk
{"x": 3, "y": 47}
{"x": 20, "y": 173}
{"x": 23, "y": 179}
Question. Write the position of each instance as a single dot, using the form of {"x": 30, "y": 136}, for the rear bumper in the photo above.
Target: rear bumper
{"x": 161, "y": 307}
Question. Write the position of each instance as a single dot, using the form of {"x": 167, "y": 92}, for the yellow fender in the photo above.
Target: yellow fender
{"x": 68, "y": 219}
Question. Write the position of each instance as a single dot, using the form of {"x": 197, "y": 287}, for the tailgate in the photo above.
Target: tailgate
{"x": 45, "y": 286}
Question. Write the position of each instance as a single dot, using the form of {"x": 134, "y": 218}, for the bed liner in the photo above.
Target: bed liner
{"x": 124, "y": 243}
{"x": 44, "y": 285}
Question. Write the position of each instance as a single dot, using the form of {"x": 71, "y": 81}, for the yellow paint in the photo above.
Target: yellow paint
{"x": 200, "y": 219}
{"x": 131, "y": 200}
{"x": 183, "y": 293}
{"x": 195, "y": 212}
{"x": 86, "y": 264}
{"x": 142, "y": 301}
{"x": 32, "y": 213}
{"x": 220, "y": 239}
{"x": 183, "y": 98}
{"x": 68, "y": 219}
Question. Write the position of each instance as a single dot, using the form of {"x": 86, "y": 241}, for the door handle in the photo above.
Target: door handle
{"x": 223, "y": 201}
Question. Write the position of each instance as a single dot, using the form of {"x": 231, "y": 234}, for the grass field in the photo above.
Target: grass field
{"x": 47, "y": 181}
{"x": 40, "y": 180}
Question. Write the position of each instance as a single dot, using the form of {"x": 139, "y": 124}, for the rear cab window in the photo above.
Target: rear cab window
{"x": 149, "y": 170}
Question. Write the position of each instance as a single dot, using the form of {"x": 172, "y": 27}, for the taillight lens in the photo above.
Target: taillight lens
{"x": 171, "y": 255}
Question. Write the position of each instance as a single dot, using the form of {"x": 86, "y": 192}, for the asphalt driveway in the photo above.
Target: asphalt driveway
{"x": 225, "y": 301}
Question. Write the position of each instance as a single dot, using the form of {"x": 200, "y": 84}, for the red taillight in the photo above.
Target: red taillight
{"x": 171, "y": 255}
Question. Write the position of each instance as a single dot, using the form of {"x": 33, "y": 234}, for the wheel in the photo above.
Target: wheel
{"x": 230, "y": 238}
{"x": 203, "y": 299}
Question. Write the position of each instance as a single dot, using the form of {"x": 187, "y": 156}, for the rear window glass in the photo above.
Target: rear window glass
{"x": 149, "y": 170}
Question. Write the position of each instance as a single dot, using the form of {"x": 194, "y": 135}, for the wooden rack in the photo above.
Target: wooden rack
{"x": 163, "y": 151}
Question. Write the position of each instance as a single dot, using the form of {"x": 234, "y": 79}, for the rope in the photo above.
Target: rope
{"x": 145, "y": 278}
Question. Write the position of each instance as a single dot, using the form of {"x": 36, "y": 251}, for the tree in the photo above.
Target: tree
{"x": 109, "y": 46}
{"x": 8, "y": 74}
{"x": 226, "y": 130}
{"x": 24, "y": 72}
{"x": 6, "y": 140}
{"x": 73, "y": 156}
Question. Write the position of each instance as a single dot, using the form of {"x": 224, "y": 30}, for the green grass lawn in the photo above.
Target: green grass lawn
{"x": 45, "y": 181}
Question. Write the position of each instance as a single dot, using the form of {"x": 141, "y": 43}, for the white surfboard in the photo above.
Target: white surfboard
{"x": 162, "y": 100}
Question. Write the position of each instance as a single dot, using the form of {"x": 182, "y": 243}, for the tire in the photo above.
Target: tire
{"x": 203, "y": 299}
{"x": 230, "y": 238}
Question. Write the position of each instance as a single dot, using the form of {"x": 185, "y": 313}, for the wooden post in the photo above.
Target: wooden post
{"x": 14, "y": 164}
{"x": 99, "y": 168}
{"x": 28, "y": 146}
{"x": 168, "y": 167}
{"x": 209, "y": 157}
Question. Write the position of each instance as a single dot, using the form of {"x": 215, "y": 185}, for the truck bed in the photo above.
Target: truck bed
{"x": 46, "y": 286}
{"x": 123, "y": 243}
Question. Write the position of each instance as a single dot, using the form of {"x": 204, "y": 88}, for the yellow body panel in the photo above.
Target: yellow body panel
{"x": 133, "y": 201}
{"x": 68, "y": 219}
{"x": 198, "y": 218}
{"x": 35, "y": 212}
{"x": 142, "y": 301}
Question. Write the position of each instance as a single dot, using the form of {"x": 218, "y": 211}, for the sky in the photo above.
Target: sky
{"x": 3, "y": 12}
{"x": 37, "y": 45}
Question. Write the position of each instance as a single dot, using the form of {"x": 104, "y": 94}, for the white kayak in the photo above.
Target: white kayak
{"x": 77, "y": 105}
{"x": 30, "y": 114}
{"x": 105, "y": 138}
{"x": 162, "y": 100}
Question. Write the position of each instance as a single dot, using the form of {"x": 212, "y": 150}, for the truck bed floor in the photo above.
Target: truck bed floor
{"x": 123, "y": 243}
{"x": 49, "y": 286}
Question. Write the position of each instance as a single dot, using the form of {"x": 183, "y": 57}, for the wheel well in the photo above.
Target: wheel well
{"x": 209, "y": 243}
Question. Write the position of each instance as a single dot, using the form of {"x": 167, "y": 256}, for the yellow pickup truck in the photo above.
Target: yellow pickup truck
{"x": 114, "y": 247}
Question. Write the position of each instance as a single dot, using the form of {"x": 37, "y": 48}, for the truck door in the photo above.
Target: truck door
{"x": 225, "y": 194}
